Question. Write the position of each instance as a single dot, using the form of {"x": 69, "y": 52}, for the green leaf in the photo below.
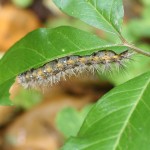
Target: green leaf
{"x": 119, "y": 121}
{"x": 44, "y": 45}
{"x": 73, "y": 118}
{"x": 103, "y": 14}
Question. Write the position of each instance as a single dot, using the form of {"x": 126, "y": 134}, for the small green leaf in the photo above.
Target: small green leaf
{"x": 26, "y": 99}
{"x": 44, "y": 45}
{"x": 73, "y": 118}
{"x": 119, "y": 121}
{"x": 103, "y": 14}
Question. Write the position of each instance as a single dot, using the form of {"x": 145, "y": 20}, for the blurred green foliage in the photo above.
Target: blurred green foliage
{"x": 69, "y": 120}
{"x": 26, "y": 99}
{"x": 22, "y": 3}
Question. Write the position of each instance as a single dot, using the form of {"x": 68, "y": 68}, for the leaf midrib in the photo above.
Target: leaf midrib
{"x": 129, "y": 116}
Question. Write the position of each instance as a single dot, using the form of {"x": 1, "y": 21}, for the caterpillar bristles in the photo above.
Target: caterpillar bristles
{"x": 63, "y": 68}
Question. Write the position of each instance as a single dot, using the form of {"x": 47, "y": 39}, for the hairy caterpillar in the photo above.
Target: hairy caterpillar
{"x": 52, "y": 72}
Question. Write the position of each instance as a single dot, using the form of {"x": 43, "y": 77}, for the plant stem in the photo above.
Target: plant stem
{"x": 138, "y": 50}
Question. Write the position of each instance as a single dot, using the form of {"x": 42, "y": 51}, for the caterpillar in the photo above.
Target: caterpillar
{"x": 56, "y": 70}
